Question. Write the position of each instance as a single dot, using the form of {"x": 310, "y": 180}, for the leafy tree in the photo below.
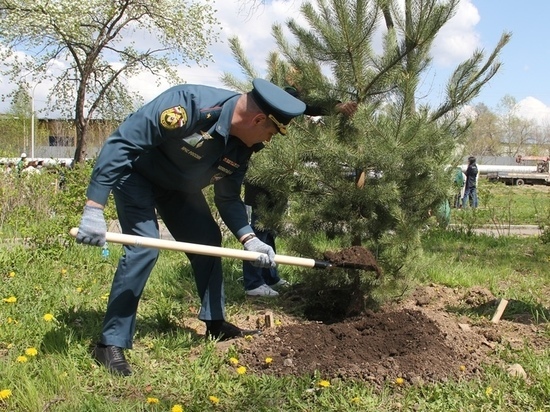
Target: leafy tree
{"x": 483, "y": 138}
{"x": 541, "y": 138}
{"x": 15, "y": 124}
{"x": 21, "y": 102}
{"x": 96, "y": 45}
{"x": 516, "y": 132}
{"x": 374, "y": 179}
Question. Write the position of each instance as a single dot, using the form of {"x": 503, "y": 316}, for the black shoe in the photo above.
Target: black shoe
{"x": 222, "y": 330}
{"x": 112, "y": 357}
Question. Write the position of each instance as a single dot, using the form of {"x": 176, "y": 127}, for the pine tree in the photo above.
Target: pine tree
{"x": 374, "y": 179}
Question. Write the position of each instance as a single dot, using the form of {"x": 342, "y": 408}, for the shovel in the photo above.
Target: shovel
{"x": 142, "y": 241}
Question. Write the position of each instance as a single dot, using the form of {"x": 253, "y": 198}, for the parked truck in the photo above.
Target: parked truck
{"x": 540, "y": 176}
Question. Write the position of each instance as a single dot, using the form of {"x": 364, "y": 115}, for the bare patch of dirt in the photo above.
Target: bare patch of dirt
{"x": 434, "y": 335}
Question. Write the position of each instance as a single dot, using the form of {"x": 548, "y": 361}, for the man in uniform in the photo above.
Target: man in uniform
{"x": 159, "y": 160}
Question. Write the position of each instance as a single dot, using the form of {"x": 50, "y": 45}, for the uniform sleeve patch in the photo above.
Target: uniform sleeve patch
{"x": 173, "y": 118}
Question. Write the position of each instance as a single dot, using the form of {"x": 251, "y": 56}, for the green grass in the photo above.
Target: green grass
{"x": 501, "y": 205}
{"x": 176, "y": 366}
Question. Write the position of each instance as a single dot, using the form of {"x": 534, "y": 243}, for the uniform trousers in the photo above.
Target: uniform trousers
{"x": 189, "y": 219}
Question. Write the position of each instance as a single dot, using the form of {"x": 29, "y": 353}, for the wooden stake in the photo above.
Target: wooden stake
{"x": 500, "y": 310}
{"x": 361, "y": 181}
{"x": 269, "y": 320}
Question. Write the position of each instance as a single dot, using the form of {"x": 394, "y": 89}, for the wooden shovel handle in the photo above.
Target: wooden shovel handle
{"x": 133, "y": 240}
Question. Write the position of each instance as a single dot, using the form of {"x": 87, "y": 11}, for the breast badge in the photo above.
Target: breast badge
{"x": 216, "y": 177}
{"x": 173, "y": 118}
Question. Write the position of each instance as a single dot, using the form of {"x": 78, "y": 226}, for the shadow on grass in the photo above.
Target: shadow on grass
{"x": 73, "y": 325}
{"x": 162, "y": 325}
{"x": 84, "y": 327}
{"x": 515, "y": 311}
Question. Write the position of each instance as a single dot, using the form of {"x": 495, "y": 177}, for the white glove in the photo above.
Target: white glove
{"x": 92, "y": 227}
{"x": 267, "y": 257}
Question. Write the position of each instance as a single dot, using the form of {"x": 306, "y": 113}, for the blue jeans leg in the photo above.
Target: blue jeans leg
{"x": 470, "y": 197}
{"x": 473, "y": 193}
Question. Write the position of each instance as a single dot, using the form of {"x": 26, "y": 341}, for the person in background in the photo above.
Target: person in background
{"x": 470, "y": 189}
{"x": 158, "y": 161}
{"x": 458, "y": 184}
{"x": 264, "y": 282}
{"x": 21, "y": 164}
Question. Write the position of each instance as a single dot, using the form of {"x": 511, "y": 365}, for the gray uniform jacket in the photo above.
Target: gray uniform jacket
{"x": 181, "y": 141}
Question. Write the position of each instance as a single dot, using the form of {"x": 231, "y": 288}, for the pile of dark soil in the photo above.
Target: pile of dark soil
{"x": 425, "y": 338}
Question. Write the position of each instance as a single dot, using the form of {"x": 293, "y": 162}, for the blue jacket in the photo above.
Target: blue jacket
{"x": 471, "y": 175}
{"x": 181, "y": 141}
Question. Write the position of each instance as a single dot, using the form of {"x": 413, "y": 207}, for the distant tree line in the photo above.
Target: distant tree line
{"x": 503, "y": 132}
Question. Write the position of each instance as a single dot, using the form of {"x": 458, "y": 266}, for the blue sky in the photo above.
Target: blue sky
{"x": 478, "y": 24}
{"x": 526, "y": 58}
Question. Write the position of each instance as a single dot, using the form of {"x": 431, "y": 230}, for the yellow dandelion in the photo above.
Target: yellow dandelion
{"x": 63, "y": 271}
{"x": 48, "y": 317}
{"x": 214, "y": 399}
{"x": 12, "y": 274}
{"x": 22, "y": 359}
{"x": 11, "y": 299}
{"x": 31, "y": 352}
{"x": 249, "y": 337}
{"x": 462, "y": 368}
{"x": 488, "y": 391}
{"x": 399, "y": 381}
{"x": 324, "y": 384}
{"x": 268, "y": 360}
{"x": 278, "y": 322}
{"x": 357, "y": 399}
{"x": 5, "y": 394}
{"x": 78, "y": 290}
{"x": 233, "y": 361}
{"x": 152, "y": 401}
{"x": 241, "y": 370}
{"x": 177, "y": 408}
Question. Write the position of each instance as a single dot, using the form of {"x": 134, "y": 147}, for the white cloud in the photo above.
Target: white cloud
{"x": 253, "y": 28}
{"x": 457, "y": 39}
{"x": 533, "y": 109}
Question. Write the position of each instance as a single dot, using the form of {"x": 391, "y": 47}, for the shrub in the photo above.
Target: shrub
{"x": 40, "y": 208}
